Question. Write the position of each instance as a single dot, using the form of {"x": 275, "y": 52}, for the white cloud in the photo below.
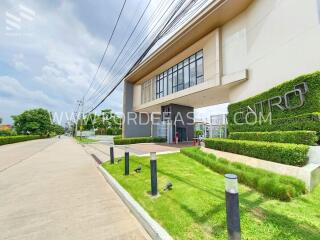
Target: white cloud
{"x": 17, "y": 93}
{"x": 18, "y": 62}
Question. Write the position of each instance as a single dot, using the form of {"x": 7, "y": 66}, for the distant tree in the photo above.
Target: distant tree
{"x": 57, "y": 129}
{"x": 0, "y": 120}
{"x": 34, "y": 121}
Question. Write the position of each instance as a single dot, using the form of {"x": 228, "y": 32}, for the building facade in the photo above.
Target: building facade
{"x": 231, "y": 50}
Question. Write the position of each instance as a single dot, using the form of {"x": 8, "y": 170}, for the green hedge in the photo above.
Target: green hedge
{"x": 307, "y": 122}
{"x": 19, "y": 138}
{"x": 297, "y": 137}
{"x": 270, "y": 184}
{"x": 286, "y": 153}
{"x": 8, "y": 132}
{"x": 122, "y": 141}
{"x": 311, "y": 105}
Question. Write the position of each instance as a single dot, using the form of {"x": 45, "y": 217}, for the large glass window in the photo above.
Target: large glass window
{"x": 185, "y": 74}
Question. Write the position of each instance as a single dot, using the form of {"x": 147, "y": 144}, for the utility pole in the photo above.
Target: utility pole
{"x": 81, "y": 121}
{"x": 80, "y": 105}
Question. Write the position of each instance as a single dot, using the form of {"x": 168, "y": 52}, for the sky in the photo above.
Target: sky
{"x": 50, "y": 51}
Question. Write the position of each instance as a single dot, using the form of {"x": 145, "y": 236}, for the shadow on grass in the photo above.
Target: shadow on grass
{"x": 286, "y": 225}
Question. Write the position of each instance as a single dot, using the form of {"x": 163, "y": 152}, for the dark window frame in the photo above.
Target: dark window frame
{"x": 163, "y": 78}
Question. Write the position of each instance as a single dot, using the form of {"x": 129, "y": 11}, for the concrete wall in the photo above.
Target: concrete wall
{"x": 131, "y": 128}
{"x": 276, "y": 40}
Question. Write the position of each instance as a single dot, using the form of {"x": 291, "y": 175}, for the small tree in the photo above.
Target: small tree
{"x": 0, "y": 120}
{"x": 198, "y": 132}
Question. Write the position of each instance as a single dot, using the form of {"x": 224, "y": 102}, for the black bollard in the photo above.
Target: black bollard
{"x": 232, "y": 207}
{"x": 111, "y": 155}
{"x": 126, "y": 161}
{"x": 153, "y": 171}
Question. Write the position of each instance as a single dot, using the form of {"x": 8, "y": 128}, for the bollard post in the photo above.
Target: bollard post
{"x": 232, "y": 207}
{"x": 153, "y": 171}
{"x": 111, "y": 154}
{"x": 126, "y": 161}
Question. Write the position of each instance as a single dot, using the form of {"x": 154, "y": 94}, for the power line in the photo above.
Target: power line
{"x": 107, "y": 47}
{"x": 152, "y": 18}
{"x": 128, "y": 39}
{"x": 136, "y": 50}
{"x": 132, "y": 54}
{"x": 163, "y": 30}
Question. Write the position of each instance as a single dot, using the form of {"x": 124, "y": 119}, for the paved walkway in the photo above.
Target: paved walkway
{"x": 52, "y": 190}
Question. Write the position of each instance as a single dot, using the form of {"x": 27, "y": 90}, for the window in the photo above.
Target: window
{"x": 199, "y": 70}
{"x": 165, "y": 85}
{"x": 174, "y": 82}
{"x": 180, "y": 79}
{"x": 185, "y": 74}
{"x": 193, "y": 74}
{"x": 169, "y": 83}
{"x": 146, "y": 95}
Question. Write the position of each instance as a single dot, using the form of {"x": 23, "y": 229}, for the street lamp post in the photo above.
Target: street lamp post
{"x": 111, "y": 154}
{"x": 126, "y": 161}
{"x": 153, "y": 171}
{"x": 232, "y": 207}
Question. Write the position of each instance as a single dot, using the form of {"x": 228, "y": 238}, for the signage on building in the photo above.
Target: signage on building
{"x": 290, "y": 100}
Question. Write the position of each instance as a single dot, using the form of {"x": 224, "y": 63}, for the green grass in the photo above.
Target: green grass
{"x": 195, "y": 208}
{"x": 85, "y": 140}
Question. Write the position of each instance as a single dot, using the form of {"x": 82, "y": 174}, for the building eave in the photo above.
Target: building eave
{"x": 213, "y": 16}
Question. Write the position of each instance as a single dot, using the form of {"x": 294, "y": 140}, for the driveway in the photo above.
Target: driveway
{"x": 51, "y": 189}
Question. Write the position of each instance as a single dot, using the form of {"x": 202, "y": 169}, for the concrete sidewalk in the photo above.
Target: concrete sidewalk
{"x": 58, "y": 193}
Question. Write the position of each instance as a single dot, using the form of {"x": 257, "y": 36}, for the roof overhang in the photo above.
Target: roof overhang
{"x": 210, "y": 18}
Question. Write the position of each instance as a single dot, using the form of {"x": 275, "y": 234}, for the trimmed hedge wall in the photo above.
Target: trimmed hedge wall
{"x": 19, "y": 138}
{"x": 122, "y": 141}
{"x": 308, "y": 122}
{"x": 290, "y": 154}
{"x": 311, "y": 105}
{"x": 270, "y": 184}
{"x": 297, "y": 137}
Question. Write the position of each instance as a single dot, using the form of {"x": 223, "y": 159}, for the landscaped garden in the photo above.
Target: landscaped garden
{"x": 195, "y": 207}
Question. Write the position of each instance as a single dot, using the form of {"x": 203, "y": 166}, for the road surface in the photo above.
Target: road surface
{"x": 51, "y": 189}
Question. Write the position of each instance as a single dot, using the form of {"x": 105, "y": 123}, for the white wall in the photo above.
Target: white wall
{"x": 276, "y": 40}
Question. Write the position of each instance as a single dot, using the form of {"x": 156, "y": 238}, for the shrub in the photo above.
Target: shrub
{"x": 122, "y": 141}
{"x": 290, "y": 154}
{"x": 109, "y": 131}
{"x": 15, "y": 139}
{"x": 270, "y": 184}
{"x": 7, "y": 132}
{"x": 298, "y": 137}
{"x": 117, "y": 137}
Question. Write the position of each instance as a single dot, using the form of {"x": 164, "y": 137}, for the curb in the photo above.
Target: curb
{"x": 149, "y": 224}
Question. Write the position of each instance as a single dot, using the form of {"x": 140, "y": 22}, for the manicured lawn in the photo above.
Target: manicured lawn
{"x": 195, "y": 208}
{"x": 85, "y": 140}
